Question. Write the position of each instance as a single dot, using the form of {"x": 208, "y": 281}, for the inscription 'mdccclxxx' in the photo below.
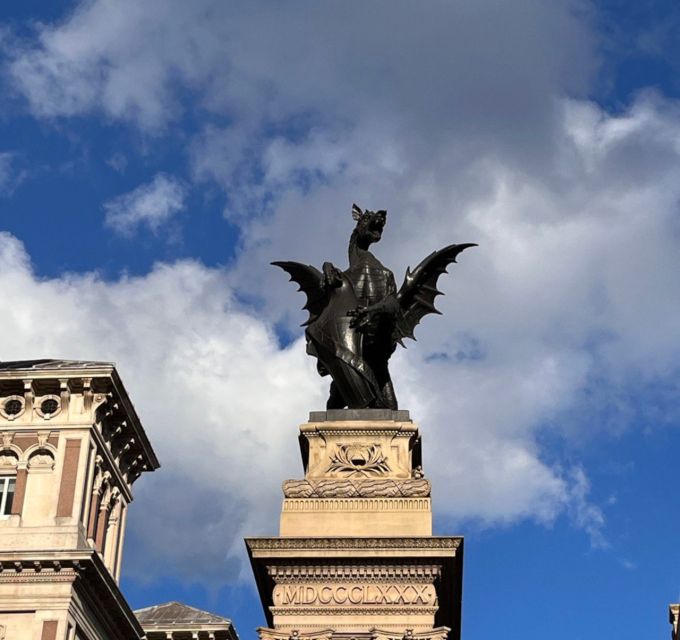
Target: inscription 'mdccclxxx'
{"x": 364, "y": 594}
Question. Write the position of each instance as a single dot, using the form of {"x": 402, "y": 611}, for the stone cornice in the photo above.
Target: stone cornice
{"x": 85, "y": 568}
{"x": 131, "y": 413}
{"x": 94, "y": 380}
{"x": 332, "y": 544}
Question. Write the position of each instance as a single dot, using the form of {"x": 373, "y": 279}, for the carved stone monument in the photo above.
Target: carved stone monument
{"x": 355, "y": 557}
{"x": 356, "y": 554}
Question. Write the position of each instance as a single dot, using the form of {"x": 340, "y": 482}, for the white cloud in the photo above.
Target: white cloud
{"x": 133, "y": 60}
{"x": 219, "y": 399}
{"x": 152, "y": 205}
{"x": 10, "y": 176}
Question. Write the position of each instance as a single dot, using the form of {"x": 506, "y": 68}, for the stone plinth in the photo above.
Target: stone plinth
{"x": 363, "y": 477}
{"x": 359, "y": 585}
{"x": 356, "y": 553}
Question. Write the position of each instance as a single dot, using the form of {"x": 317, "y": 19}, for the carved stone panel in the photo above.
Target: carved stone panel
{"x": 357, "y": 488}
{"x": 385, "y": 449}
{"x": 355, "y": 594}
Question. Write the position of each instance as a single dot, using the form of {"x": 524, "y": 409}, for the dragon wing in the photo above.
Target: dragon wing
{"x": 417, "y": 294}
{"x": 310, "y": 281}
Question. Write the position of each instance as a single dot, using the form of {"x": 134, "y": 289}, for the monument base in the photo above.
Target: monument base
{"x": 356, "y": 557}
{"x": 359, "y": 585}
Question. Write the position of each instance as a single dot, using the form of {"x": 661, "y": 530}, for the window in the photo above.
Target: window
{"x": 7, "y": 486}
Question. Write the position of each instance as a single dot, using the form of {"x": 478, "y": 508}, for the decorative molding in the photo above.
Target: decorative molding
{"x": 359, "y": 431}
{"x": 301, "y": 544}
{"x": 8, "y": 460}
{"x": 42, "y": 460}
{"x": 440, "y": 633}
{"x": 414, "y": 572}
{"x": 13, "y": 407}
{"x": 12, "y": 570}
{"x": 354, "y": 611}
{"x": 43, "y": 437}
{"x": 48, "y": 406}
{"x": 307, "y": 505}
{"x": 358, "y": 488}
{"x": 273, "y": 634}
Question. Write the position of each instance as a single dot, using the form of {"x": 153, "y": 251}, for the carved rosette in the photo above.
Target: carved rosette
{"x": 357, "y": 488}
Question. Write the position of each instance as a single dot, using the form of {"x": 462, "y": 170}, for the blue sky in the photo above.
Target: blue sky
{"x": 156, "y": 156}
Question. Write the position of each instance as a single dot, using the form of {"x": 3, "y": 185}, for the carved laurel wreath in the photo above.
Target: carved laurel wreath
{"x": 359, "y": 460}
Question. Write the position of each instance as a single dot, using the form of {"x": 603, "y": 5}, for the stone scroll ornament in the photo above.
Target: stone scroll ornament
{"x": 357, "y": 316}
{"x": 358, "y": 488}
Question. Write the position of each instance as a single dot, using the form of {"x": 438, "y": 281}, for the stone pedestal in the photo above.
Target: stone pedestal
{"x": 355, "y": 557}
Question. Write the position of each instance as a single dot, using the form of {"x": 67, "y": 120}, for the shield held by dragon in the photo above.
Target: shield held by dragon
{"x": 357, "y": 316}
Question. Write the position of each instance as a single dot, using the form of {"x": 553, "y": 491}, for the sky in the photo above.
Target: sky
{"x": 156, "y": 156}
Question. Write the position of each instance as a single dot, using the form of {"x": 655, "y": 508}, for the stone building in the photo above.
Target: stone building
{"x": 177, "y": 621}
{"x": 674, "y": 619}
{"x": 72, "y": 447}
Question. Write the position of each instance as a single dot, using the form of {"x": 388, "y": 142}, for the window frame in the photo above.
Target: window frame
{"x": 5, "y": 480}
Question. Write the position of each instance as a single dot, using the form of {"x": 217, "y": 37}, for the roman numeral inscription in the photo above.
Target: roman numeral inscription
{"x": 349, "y": 594}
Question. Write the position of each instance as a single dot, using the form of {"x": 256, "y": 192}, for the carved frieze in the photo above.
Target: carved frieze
{"x": 357, "y": 488}
{"x": 416, "y": 572}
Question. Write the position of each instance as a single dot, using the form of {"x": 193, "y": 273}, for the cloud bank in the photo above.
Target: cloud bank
{"x": 470, "y": 123}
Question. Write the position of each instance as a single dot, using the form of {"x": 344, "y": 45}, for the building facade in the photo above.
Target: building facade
{"x": 72, "y": 448}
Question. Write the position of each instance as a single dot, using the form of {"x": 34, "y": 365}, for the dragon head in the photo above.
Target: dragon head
{"x": 369, "y": 227}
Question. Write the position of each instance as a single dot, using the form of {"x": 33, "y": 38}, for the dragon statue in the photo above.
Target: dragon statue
{"x": 357, "y": 316}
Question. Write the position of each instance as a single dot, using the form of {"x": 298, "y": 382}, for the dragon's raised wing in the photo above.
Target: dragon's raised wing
{"x": 417, "y": 294}
{"x": 310, "y": 281}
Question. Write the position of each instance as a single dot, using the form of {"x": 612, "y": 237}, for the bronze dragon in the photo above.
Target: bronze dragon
{"x": 357, "y": 316}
